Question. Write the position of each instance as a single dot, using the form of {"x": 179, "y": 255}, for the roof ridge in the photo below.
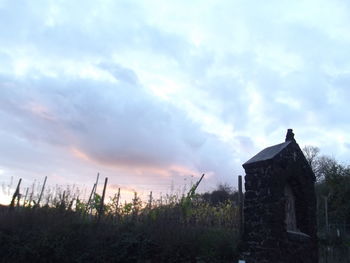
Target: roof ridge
{"x": 268, "y": 153}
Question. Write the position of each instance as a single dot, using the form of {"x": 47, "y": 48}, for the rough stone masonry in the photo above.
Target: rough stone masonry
{"x": 279, "y": 206}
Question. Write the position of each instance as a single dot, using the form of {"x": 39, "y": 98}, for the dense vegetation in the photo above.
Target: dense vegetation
{"x": 180, "y": 230}
{"x": 333, "y": 205}
{"x": 332, "y": 187}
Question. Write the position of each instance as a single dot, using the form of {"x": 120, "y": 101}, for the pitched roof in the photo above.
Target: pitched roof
{"x": 268, "y": 153}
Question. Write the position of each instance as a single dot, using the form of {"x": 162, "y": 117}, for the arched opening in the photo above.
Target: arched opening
{"x": 290, "y": 217}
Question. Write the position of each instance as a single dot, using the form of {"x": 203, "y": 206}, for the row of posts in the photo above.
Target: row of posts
{"x": 16, "y": 195}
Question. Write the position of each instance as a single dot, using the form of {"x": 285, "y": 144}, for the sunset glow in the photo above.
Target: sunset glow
{"x": 152, "y": 95}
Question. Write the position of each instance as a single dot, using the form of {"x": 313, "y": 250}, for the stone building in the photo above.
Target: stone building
{"x": 279, "y": 206}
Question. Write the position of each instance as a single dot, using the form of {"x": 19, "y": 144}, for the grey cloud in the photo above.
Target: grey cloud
{"x": 121, "y": 123}
{"x": 112, "y": 124}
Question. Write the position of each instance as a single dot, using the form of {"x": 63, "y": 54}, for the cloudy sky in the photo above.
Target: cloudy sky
{"x": 152, "y": 94}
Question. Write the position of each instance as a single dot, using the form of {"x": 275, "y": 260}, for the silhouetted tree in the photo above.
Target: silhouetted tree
{"x": 333, "y": 184}
{"x": 222, "y": 194}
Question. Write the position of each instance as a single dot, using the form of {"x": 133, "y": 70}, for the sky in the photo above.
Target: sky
{"x": 152, "y": 94}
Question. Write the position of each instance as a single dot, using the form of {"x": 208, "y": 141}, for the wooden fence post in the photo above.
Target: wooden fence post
{"x": 19, "y": 196}
{"x": 90, "y": 199}
{"x": 98, "y": 176}
{"x": 134, "y": 206}
{"x": 15, "y": 194}
{"x": 31, "y": 194}
{"x": 117, "y": 204}
{"x": 102, "y": 199}
{"x": 25, "y": 197}
{"x": 326, "y": 212}
{"x": 240, "y": 205}
{"x": 63, "y": 203}
{"x": 94, "y": 190}
{"x": 150, "y": 200}
{"x": 42, "y": 191}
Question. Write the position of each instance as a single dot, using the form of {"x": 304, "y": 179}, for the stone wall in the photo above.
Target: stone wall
{"x": 266, "y": 238}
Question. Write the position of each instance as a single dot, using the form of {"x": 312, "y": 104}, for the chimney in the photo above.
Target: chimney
{"x": 290, "y": 135}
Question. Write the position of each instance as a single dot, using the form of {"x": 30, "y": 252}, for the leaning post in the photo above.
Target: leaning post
{"x": 25, "y": 197}
{"x": 15, "y": 194}
{"x": 102, "y": 199}
{"x": 42, "y": 191}
{"x": 90, "y": 199}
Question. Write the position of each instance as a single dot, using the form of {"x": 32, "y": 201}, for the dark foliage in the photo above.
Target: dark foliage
{"x": 222, "y": 194}
{"x": 56, "y": 235}
{"x": 333, "y": 187}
